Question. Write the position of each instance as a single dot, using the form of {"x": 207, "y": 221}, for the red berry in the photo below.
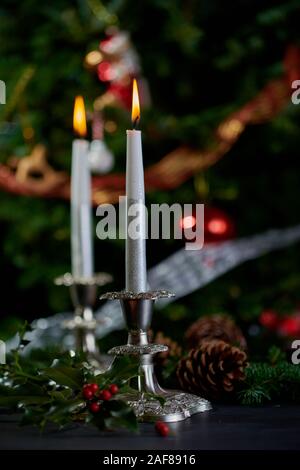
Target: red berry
{"x": 94, "y": 407}
{"x": 94, "y": 388}
{"x": 162, "y": 428}
{"x": 114, "y": 388}
{"x": 105, "y": 395}
{"x": 87, "y": 393}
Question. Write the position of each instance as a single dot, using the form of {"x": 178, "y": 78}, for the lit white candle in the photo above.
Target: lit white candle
{"x": 136, "y": 270}
{"x": 81, "y": 211}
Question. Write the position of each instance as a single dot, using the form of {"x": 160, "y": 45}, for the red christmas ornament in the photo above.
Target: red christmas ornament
{"x": 290, "y": 326}
{"x": 218, "y": 226}
{"x": 105, "y": 44}
{"x": 269, "y": 319}
{"x": 106, "y": 71}
{"x": 123, "y": 93}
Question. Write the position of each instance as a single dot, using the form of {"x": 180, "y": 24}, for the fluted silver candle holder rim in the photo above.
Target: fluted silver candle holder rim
{"x": 79, "y": 323}
{"x": 97, "y": 279}
{"x": 129, "y": 295}
{"x": 137, "y": 349}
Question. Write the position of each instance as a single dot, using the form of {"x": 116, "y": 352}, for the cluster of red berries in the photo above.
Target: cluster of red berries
{"x": 162, "y": 428}
{"x": 283, "y": 325}
{"x": 93, "y": 395}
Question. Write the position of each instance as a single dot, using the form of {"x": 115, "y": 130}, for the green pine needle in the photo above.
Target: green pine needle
{"x": 266, "y": 383}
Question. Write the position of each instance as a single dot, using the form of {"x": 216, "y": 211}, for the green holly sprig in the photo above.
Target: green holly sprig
{"x": 51, "y": 387}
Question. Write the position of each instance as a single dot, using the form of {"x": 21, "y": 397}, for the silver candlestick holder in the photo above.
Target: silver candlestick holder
{"x": 177, "y": 405}
{"x": 83, "y": 292}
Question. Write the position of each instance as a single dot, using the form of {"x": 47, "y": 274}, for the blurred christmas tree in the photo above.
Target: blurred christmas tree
{"x": 203, "y": 60}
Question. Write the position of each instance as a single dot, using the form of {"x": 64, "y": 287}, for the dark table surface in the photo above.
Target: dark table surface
{"x": 225, "y": 427}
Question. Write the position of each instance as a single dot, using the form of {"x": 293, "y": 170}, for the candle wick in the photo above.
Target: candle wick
{"x": 135, "y": 123}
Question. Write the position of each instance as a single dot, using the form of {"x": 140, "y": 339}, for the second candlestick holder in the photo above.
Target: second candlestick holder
{"x": 145, "y": 397}
{"x": 83, "y": 293}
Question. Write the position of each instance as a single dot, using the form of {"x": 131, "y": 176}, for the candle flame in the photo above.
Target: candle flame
{"x": 135, "y": 113}
{"x": 79, "y": 118}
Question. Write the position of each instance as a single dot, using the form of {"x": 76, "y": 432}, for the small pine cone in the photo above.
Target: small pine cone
{"x": 213, "y": 370}
{"x": 215, "y": 327}
{"x": 174, "y": 351}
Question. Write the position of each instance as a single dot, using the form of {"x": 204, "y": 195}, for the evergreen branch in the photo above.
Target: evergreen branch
{"x": 265, "y": 382}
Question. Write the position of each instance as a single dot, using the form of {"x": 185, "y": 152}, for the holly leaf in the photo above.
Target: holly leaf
{"x": 16, "y": 400}
{"x": 122, "y": 370}
{"x": 66, "y": 408}
{"x": 158, "y": 398}
{"x": 23, "y": 376}
{"x": 126, "y": 389}
{"x": 33, "y": 416}
{"x": 115, "y": 422}
{"x": 117, "y": 407}
{"x": 23, "y": 395}
{"x": 61, "y": 413}
{"x": 60, "y": 395}
{"x": 64, "y": 375}
{"x": 121, "y": 416}
{"x": 115, "y": 414}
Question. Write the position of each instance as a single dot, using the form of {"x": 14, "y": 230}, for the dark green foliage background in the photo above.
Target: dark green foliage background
{"x": 203, "y": 59}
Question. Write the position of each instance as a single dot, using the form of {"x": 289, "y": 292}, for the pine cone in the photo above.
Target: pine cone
{"x": 213, "y": 370}
{"x": 174, "y": 350}
{"x": 215, "y": 327}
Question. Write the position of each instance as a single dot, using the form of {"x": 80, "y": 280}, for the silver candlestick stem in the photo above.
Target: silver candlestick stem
{"x": 83, "y": 292}
{"x": 178, "y": 405}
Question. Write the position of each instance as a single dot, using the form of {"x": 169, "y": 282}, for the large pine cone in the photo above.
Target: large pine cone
{"x": 215, "y": 327}
{"x": 213, "y": 370}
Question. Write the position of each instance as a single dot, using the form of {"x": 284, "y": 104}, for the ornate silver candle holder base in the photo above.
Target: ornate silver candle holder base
{"x": 83, "y": 293}
{"x": 177, "y": 405}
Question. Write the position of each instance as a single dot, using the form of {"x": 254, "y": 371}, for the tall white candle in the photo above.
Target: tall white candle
{"x": 136, "y": 269}
{"x": 81, "y": 211}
